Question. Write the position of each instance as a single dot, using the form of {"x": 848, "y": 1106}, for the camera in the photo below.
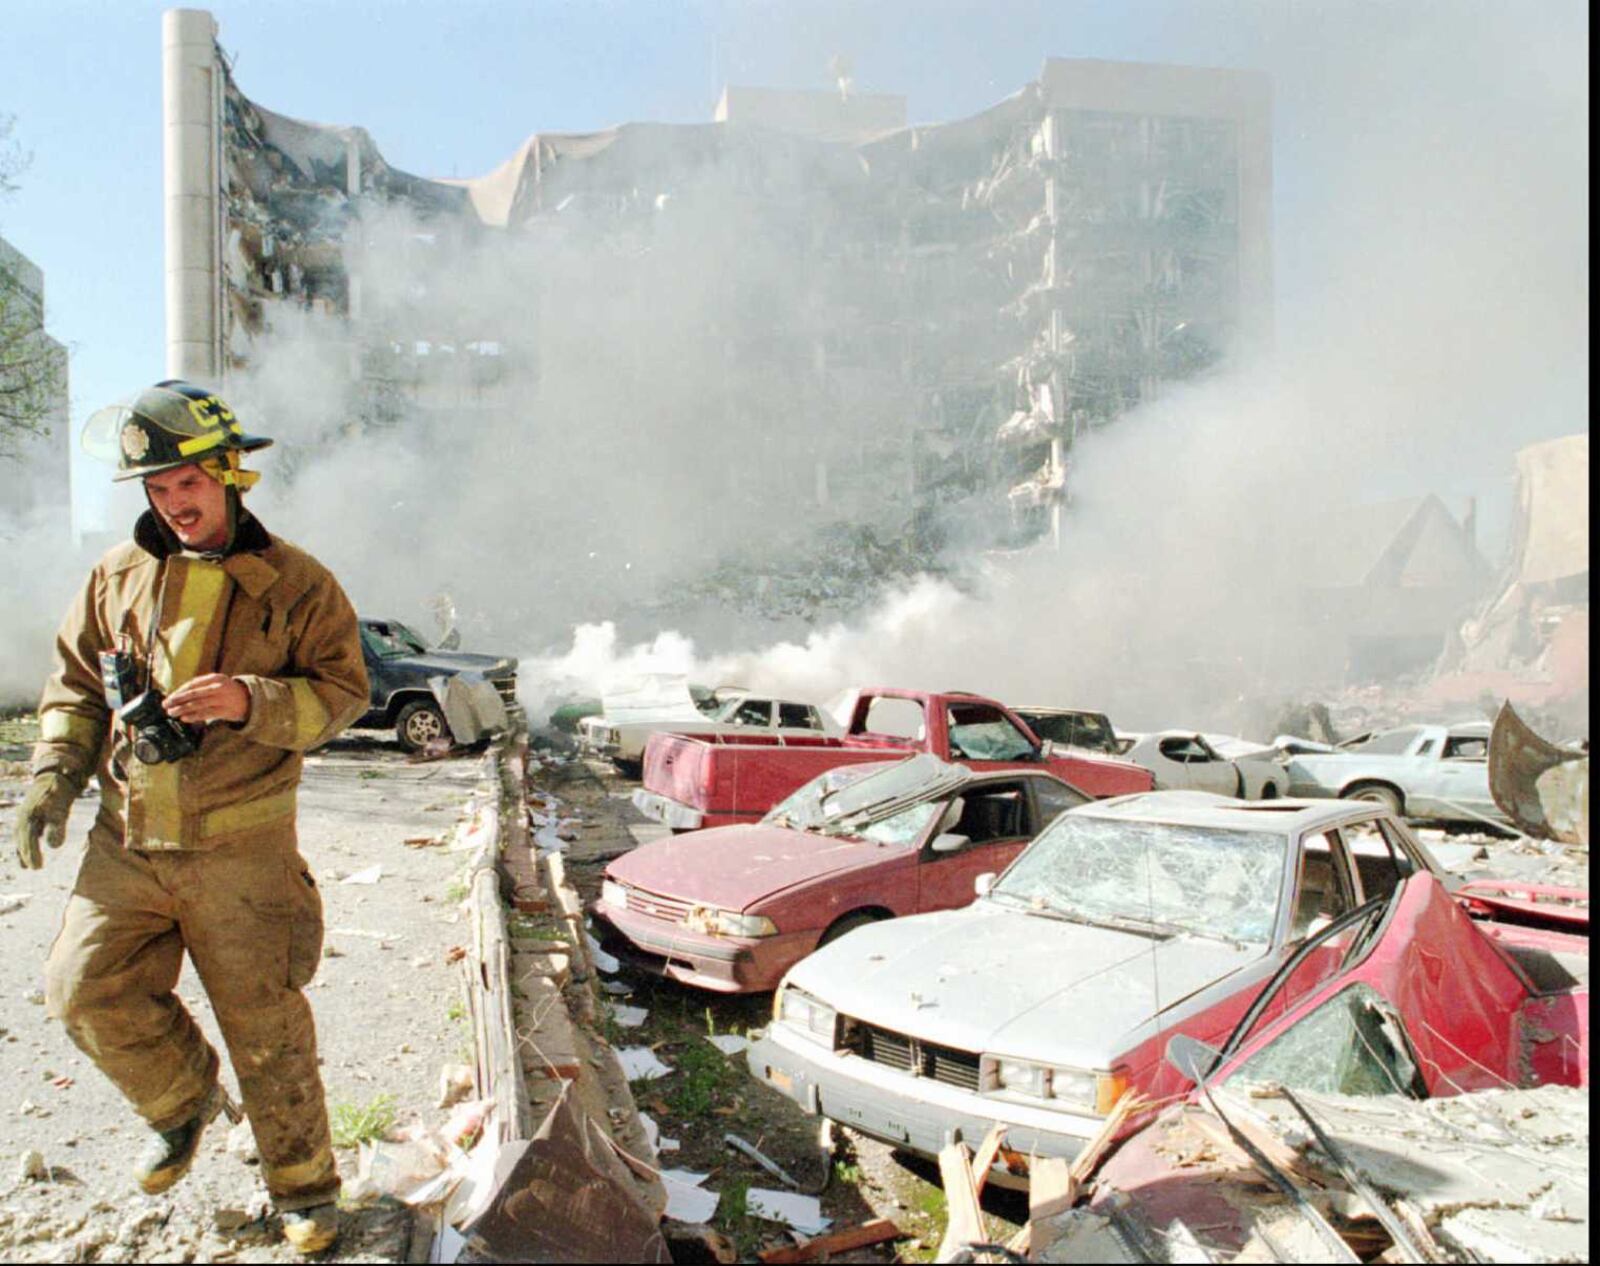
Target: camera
{"x": 157, "y": 737}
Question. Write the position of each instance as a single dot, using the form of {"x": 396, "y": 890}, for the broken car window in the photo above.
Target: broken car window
{"x": 1054, "y": 799}
{"x": 854, "y": 796}
{"x": 904, "y": 827}
{"x": 1321, "y": 895}
{"x": 1388, "y": 742}
{"x": 1350, "y": 1045}
{"x": 1207, "y": 881}
{"x": 993, "y": 813}
{"x": 798, "y": 716}
{"x": 391, "y": 640}
{"x": 1374, "y": 859}
{"x": 896, "y": 718}
{"x": 983, "y": 733}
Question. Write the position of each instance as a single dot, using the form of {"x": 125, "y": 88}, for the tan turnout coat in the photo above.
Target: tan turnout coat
{"x": 268, "y": 614}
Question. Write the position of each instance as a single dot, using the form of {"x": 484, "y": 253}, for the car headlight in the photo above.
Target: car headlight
{"x": 715, "y": 922}
{"x": 1075, "y": 1087}
{"x": 799, "y": 1010}
{"x": 613, "y": 894}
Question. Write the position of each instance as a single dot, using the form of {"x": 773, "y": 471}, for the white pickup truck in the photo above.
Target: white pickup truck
{"x": 620, "y": 734}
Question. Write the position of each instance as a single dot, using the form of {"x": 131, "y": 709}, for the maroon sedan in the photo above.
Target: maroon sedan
{"x": 732, "y": 908}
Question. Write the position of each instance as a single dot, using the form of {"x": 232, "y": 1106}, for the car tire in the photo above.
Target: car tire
{"x": 1377, "y": 793}
{"x": 418, "y": 723}
{"x": 849, "y": 923}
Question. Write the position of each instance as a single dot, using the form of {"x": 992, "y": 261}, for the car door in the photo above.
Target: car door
{"x": 998, "y": 820}
{"x": 1194, "y": 766}
{"x": 1462, "y": 777}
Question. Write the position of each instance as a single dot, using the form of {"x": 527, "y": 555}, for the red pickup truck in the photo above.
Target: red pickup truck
{"x": 692, "y": 782}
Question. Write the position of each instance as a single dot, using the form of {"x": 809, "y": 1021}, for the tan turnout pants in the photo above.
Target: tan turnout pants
{"x": 251, "y": 919}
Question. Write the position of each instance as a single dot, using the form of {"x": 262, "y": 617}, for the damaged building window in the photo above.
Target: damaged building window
{"x": 1201, "y": 881}
{"x": 1350, "y": 1045}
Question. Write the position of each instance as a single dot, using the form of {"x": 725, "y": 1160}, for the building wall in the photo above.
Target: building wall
{"x": 34, "y": 469}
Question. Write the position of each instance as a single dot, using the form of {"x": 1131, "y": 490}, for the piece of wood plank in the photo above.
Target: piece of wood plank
{"x": 988, "y": 1151}
{"x": 1051, "y": 1187}
{"x": 876, "y": 1231}
{"x": 965, "y": 1217}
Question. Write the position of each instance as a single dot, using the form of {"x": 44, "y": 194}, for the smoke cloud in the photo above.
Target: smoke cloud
{"x": 1432, "y": 317}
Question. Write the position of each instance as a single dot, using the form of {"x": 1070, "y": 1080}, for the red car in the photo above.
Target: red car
{"x": 732, "y": 908}
{"x": 692, "y": 781}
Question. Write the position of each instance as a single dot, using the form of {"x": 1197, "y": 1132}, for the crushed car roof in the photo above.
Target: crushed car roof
{"x": 1206, "y": 808}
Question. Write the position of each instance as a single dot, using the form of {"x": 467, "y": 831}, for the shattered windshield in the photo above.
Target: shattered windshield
{"x": 1350, "y": 1045}
{"x": 392, "y": 640}
{"x": 858, "y": 796}
{"x": 1204, "y": 881}
{"x": 982, "y": 733}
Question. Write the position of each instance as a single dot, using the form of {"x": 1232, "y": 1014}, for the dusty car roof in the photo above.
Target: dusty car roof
{"x": 1206, "y": 808}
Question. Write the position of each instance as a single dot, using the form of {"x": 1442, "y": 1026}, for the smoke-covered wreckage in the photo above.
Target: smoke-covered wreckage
{"x": 1426, "y": 1102}
{"x": 972, "y": 284}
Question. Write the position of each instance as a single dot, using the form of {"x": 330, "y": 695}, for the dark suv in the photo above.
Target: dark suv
{"x": 399, "y": 664}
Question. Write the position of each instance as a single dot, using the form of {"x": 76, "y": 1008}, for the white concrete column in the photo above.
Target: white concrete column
{"x": 192, "y": 192}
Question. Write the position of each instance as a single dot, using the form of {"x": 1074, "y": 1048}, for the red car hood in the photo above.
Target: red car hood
{"x": 733, "y": 867}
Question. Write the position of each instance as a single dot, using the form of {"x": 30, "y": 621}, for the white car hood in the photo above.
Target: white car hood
{"x": 988, "y": 978}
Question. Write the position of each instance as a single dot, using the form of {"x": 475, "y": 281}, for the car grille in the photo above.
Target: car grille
{"x": 652, "y": 906}
{"x": 911, "y": 1055}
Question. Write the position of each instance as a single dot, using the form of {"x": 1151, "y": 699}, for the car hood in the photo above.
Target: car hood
{"x": 452, "y": 662}
{"x": 988, "y": 978}
{"x": 735, "y": 866}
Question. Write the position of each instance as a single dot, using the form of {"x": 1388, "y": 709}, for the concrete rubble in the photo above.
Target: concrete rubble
{"x": 1498, "y": 1175}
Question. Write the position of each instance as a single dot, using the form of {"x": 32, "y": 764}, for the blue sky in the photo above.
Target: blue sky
{"x": 452, "y": 88}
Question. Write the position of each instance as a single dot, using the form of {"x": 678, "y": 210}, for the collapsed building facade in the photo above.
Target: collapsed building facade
{"x": 883, "y": 321}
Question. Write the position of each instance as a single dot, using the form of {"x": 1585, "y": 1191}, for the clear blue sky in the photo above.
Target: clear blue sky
{"x": 451, "y": 88}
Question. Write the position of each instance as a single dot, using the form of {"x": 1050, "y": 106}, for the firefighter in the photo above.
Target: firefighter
{"x": 198, "y": 662}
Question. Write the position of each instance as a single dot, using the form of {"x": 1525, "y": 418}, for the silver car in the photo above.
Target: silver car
{"x": 1432, "y": 773}
{"x": 1037, "y": 1005}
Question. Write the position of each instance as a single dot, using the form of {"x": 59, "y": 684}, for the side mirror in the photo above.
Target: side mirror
{"x": 949, "y": 843}
{"x": 983, "y": 883}
{"x": 1193, "y": 1058}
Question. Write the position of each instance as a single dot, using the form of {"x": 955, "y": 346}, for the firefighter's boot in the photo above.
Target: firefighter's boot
{"x": 312, "y": 1230}
{"x": 169, "y": 1153}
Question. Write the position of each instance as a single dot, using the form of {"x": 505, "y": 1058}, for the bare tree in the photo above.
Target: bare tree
{"x": 32, "y": 364}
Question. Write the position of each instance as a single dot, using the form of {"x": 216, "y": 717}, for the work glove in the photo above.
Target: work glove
{"x": 43, "y": 813}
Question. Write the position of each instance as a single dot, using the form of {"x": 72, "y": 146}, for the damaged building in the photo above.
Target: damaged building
{"x": 34, "y": 472}
{"x": 901, "y": 320}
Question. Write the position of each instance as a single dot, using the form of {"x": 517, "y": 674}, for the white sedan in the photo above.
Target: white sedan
{"x": 1182, "y": 760}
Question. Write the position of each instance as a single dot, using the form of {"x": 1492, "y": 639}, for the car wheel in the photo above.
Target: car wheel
{"x": 849, "y": 923}
{"x": 1378, "y": 793}
{"x": 419, "y": 723}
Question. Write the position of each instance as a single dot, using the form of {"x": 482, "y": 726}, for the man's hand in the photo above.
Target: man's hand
{"x": 214, "y": 697}
{"x": 43, "y": 813}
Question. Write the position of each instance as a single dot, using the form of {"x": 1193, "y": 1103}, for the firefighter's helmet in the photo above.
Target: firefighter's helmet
{"x": 170, "y": 424}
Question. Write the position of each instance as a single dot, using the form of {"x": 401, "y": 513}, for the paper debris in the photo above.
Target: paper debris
{"x": 803, "y": 1213}
{"x": 639, "y": 1063}
{"x": 616, "y": 988}
{"x": 602, "y": 960}
{"x": 10, "y": 901}
{"x": 370, "y": 875}
{"x": 687, "y": 1200}
{"x": 628, "y": 1017}
{"x": 729, "y": 1043}
{"x": 547, "y": 839}
{"x": 658, "y": 1142}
